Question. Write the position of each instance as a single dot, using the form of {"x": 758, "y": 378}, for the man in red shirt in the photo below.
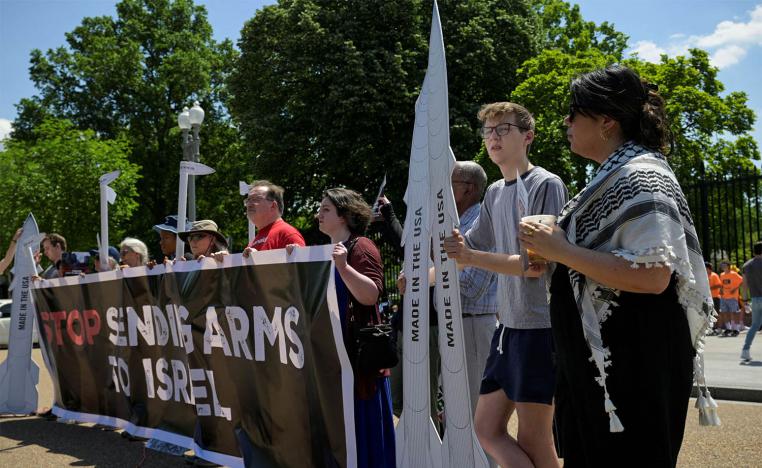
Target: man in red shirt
{"x": 264, "y": 208}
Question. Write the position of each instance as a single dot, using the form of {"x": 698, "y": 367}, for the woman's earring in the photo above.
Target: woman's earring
{"x": 604, "y": 135}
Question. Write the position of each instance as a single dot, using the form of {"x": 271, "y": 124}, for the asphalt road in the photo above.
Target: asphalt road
{"x": 34, "y": 442}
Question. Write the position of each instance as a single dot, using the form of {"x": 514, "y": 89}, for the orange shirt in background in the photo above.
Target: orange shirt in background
{"x": 731, "y": 281}
{"x": 715, "y": 285}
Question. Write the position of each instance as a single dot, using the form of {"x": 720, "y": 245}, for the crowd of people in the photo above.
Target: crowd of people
{"x": 567, "y": 337}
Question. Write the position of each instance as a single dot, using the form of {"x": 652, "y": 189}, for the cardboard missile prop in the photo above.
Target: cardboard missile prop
{"x": 418, "y": 444}
{"x": 460, "y": 447}
{"x": 243, "y": 189}
{"x": 186, "y": 168}
{"x": 108, "y": 197}
{"x": 19, "y": 374}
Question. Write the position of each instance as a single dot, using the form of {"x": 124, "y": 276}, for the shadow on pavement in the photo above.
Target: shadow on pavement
{"x": 89, "y": 446}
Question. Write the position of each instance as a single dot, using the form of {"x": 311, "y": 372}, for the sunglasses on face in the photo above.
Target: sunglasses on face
{"x": 197, "y": 237}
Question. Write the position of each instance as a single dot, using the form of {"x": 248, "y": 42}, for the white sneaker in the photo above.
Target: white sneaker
{"x": 745, "y": 355}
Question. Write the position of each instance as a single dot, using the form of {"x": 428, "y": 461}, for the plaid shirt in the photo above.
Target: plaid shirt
{"x": 478, "y": 288}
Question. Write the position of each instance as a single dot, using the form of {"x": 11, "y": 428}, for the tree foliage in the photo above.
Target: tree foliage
{"x": 324, "y": 91}
{"x": 55, "y": 176}
{"x": 128, "y": 77}
{"x": 711, "y": 131}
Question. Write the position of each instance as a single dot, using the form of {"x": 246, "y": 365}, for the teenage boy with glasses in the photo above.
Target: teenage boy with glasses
{"x": 520, "y": 373}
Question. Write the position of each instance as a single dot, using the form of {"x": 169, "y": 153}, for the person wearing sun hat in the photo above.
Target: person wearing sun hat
{"x": 167, "y": 231}
{"x": 204, "y": 238}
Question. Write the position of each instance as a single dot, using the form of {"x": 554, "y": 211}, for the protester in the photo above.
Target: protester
{"x": 113, "y": 259}
{"x": 730, "y": 311}
{"x": 752, "y": 279}
{"x": 630, "y": 269}
{"x": 715, "y": 286}
{"x": 54, "y": 246}
{"x": 520, "y": 373}
{"x": 167, "y": 231}
{"x": 133, "y": 252}
{"x": 264, "y": 208}
{"x": 204, "y": 239}
{"x": 8, "y": 259}
{"x": 344, "y": 216}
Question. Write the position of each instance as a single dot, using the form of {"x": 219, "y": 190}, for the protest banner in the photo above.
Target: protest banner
{"x": 241, "y": 361}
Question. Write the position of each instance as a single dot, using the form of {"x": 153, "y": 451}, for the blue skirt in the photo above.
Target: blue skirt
{"x": 374, "y": 428}
{"x": 374, "y": 422}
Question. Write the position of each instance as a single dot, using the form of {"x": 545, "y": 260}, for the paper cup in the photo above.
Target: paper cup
{"x": 547, "y": 220}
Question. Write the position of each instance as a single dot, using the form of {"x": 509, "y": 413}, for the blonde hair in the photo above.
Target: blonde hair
{"x": 496, "y": 110}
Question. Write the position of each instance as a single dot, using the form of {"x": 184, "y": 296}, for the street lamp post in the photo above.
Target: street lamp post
{"x": 191, "y": 119}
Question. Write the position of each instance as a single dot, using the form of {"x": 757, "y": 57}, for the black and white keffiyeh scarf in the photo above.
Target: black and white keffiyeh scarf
{"x": 635, "y": 209}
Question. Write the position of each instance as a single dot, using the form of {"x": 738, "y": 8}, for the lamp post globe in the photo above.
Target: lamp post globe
{"x": 196, "y": 114}
{"x": 183, "y": 119}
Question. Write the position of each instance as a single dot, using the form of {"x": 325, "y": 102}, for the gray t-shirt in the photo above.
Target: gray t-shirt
{"x": 522, "y": 301}
{"x": 752, "y": 273}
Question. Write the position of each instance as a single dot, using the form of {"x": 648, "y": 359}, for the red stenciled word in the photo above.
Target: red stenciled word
{"x": 79, "y": 326}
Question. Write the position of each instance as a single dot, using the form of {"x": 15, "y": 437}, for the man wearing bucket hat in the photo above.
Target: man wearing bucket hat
{"x": 204, "y": 238}
{"x": 167, "y": 230}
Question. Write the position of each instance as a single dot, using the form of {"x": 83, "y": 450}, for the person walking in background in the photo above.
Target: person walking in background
{"x": 752, "y": 279}
{"x": 629, "y": 285}
{"x": 730, "y": 311}
{"x": 715, "y": 286}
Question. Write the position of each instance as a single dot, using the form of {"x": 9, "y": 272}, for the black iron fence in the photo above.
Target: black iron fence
{"x": 726, "y": 211}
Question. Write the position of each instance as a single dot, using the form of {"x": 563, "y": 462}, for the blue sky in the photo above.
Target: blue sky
{"x": 731, "y": 30}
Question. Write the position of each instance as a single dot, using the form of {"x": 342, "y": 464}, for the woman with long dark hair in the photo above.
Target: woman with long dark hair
{"x": 630, "y": 300}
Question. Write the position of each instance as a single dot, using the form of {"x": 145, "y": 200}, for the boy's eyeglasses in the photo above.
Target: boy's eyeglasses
{"x": 501, "y": 130}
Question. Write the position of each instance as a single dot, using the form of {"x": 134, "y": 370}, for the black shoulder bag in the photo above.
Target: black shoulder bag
{"x": 374, "y": 346}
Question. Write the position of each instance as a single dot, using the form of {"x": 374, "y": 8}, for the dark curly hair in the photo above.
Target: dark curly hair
{"x": 619, "y": 93}
{"x": 350, "y": 206}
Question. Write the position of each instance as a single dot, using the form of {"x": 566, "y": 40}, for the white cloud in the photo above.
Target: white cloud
{"x": 5, "y": 128}
{"x": 735, "y": 33}
{"x": 728, "y": 44}
{"x": 647, "y": 51}
{"x": 727, "y": 56}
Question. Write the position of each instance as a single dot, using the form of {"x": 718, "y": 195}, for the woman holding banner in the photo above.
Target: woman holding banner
{"x": 629, "y": 287}
{"x": 344, "y": 216}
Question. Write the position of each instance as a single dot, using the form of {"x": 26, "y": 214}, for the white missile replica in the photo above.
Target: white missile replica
{"x": 460, "y": 447}
{"x": 19, "y": 374}
{"x": 186, "y": 168}
{"x": 418, "y": 444}
{"x": 108, "y": 197}
{"x": 243, "y": 189}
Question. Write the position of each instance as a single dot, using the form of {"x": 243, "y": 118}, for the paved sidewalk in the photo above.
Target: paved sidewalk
{"x": 33, "y": 442}
{"x": 729, "y": 377}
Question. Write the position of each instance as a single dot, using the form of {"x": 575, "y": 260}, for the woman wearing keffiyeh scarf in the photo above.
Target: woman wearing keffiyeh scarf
{"x": 629, "y": 297}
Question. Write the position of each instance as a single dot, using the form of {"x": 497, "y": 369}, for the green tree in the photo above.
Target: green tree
{"x": 711, "y": 131}
{"x": 324, "y": 91}
{"x": 55, "y": 176}
{"x": 128, "y": 77}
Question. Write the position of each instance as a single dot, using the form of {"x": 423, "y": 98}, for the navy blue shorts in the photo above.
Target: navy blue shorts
{"x": 525, "y": 370}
